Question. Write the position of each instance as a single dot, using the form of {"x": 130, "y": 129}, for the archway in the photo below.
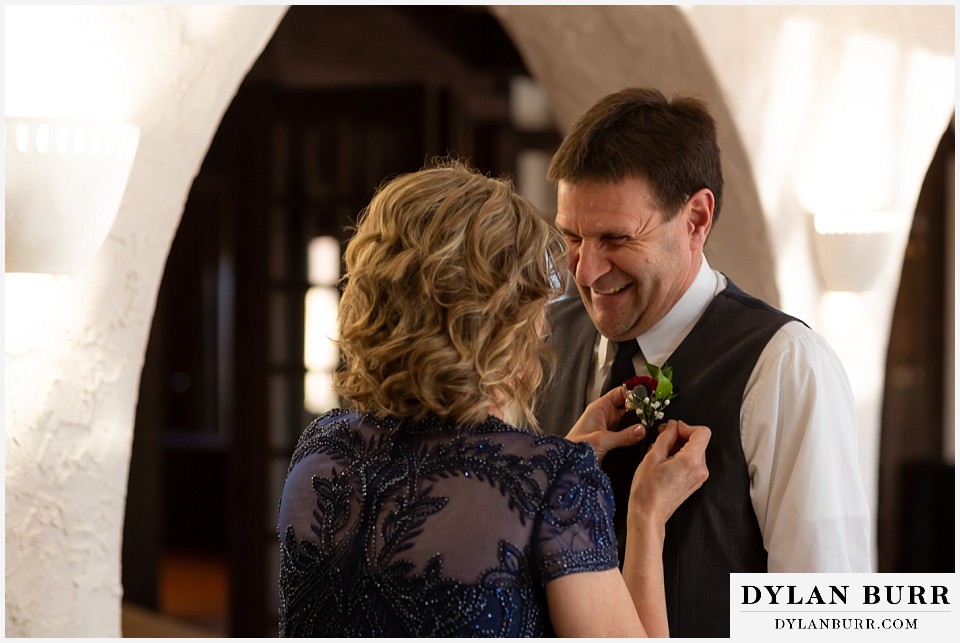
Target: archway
{"x": 320, "y": 121}
{"x": 916, "y": 517}
{"x": 648, "y": 46}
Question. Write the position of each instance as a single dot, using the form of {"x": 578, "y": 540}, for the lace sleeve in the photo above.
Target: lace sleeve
{"x": 575, "y": 527}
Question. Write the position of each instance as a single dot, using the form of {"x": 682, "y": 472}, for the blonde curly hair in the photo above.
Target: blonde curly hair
{"x": 444, "y": 298}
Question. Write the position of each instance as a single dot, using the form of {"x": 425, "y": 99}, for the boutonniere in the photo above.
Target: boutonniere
{"x": 650, "y": 395}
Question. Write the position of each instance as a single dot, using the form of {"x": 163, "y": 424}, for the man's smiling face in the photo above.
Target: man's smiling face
{"x": 630, "y": 264}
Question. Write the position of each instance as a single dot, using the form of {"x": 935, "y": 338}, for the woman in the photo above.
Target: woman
{"x": 426, "y": 510}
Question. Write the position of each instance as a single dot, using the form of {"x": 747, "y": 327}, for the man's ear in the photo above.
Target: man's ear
{"x": 699, "y": 213}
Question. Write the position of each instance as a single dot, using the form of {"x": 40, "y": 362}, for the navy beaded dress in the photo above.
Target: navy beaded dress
{"x": 394, "y": 528}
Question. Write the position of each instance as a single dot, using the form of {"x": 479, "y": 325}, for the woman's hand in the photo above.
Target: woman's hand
{"x": 673, "y": 468}
{"x": 598, "y": 425}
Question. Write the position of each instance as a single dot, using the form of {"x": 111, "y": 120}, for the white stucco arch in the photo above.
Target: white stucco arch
{"x": 581, "y": 53}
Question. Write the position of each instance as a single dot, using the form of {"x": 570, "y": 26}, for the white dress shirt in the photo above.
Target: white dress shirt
{"x": 798, "y": 428}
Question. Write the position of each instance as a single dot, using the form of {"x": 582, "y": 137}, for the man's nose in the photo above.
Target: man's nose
{"x": 591, "y": 264}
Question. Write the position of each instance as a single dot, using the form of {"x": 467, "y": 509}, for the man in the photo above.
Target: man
{"x": 639, "y": 187}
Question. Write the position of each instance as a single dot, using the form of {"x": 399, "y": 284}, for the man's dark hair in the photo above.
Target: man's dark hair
{"x": 637, "y": 132}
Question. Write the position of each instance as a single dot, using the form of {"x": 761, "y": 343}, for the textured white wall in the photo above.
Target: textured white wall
{"x": 75, "y": 345}
{"x": 841, "y": 109}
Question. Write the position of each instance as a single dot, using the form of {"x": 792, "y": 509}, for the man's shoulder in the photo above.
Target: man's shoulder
{"x": 570, "y": 325}
{"x": 566, "y": 302}
{"x": 755, "y": 305}
{"x": 787, "y": 335}
{"x": 567, "y": 309}
{"x": 798, "y": 338}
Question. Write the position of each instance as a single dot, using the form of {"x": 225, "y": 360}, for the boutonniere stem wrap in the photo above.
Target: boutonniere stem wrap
{"x": 650, "y": 395}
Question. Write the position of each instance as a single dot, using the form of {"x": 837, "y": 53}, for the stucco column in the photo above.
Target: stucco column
{"x": 74, "y": 346}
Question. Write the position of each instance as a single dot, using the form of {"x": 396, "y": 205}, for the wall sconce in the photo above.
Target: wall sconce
{"x": 529, "y": 105}
{"x": 64, "y": 182}
{"x": 852, "y": 249}
{"x": 321, "y": 354}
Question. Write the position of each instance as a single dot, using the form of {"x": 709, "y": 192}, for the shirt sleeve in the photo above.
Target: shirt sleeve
{"x": 574, "y": 532}
{"x": 799, "y": 433}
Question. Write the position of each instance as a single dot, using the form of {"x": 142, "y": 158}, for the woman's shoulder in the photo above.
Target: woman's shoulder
{"x": 578, "y": 455}
{"x": 330, "y": 422}
{"x": 339, "y": 429}
{"x": 339, "y": 420}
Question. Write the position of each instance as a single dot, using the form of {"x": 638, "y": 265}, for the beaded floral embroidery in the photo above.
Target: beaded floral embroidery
{"x": 382, "y": 549}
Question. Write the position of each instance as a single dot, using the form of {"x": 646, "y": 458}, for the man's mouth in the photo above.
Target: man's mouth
{"x": 610, "y": 291}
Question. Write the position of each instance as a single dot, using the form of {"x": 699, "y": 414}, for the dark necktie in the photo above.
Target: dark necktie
{"x": 622, "y": 368}
{"x": 620, "y": 464}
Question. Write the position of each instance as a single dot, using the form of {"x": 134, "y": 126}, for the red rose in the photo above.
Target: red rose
{"x": 649, "y": 396}
{"x": 641, "y": 380}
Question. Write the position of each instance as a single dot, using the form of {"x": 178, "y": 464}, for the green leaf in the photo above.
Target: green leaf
{"x": 663, "y": 376}
{"x": 664, "y": 388}
{"x": 653, "y": 370}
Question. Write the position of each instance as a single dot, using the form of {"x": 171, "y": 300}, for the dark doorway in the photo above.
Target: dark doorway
{"x": 342, "y": 98}
{"x": 916, "y": 496}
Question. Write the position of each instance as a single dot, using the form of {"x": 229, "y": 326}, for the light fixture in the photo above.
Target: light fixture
{"x": 529, "y": 105}
{"x": 64, "y": 182}
{"x": 853, "y": 248}
{"x": 321, "y": 353}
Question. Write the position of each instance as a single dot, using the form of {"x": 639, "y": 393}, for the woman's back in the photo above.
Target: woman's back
{"x": 427, "y": 528}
